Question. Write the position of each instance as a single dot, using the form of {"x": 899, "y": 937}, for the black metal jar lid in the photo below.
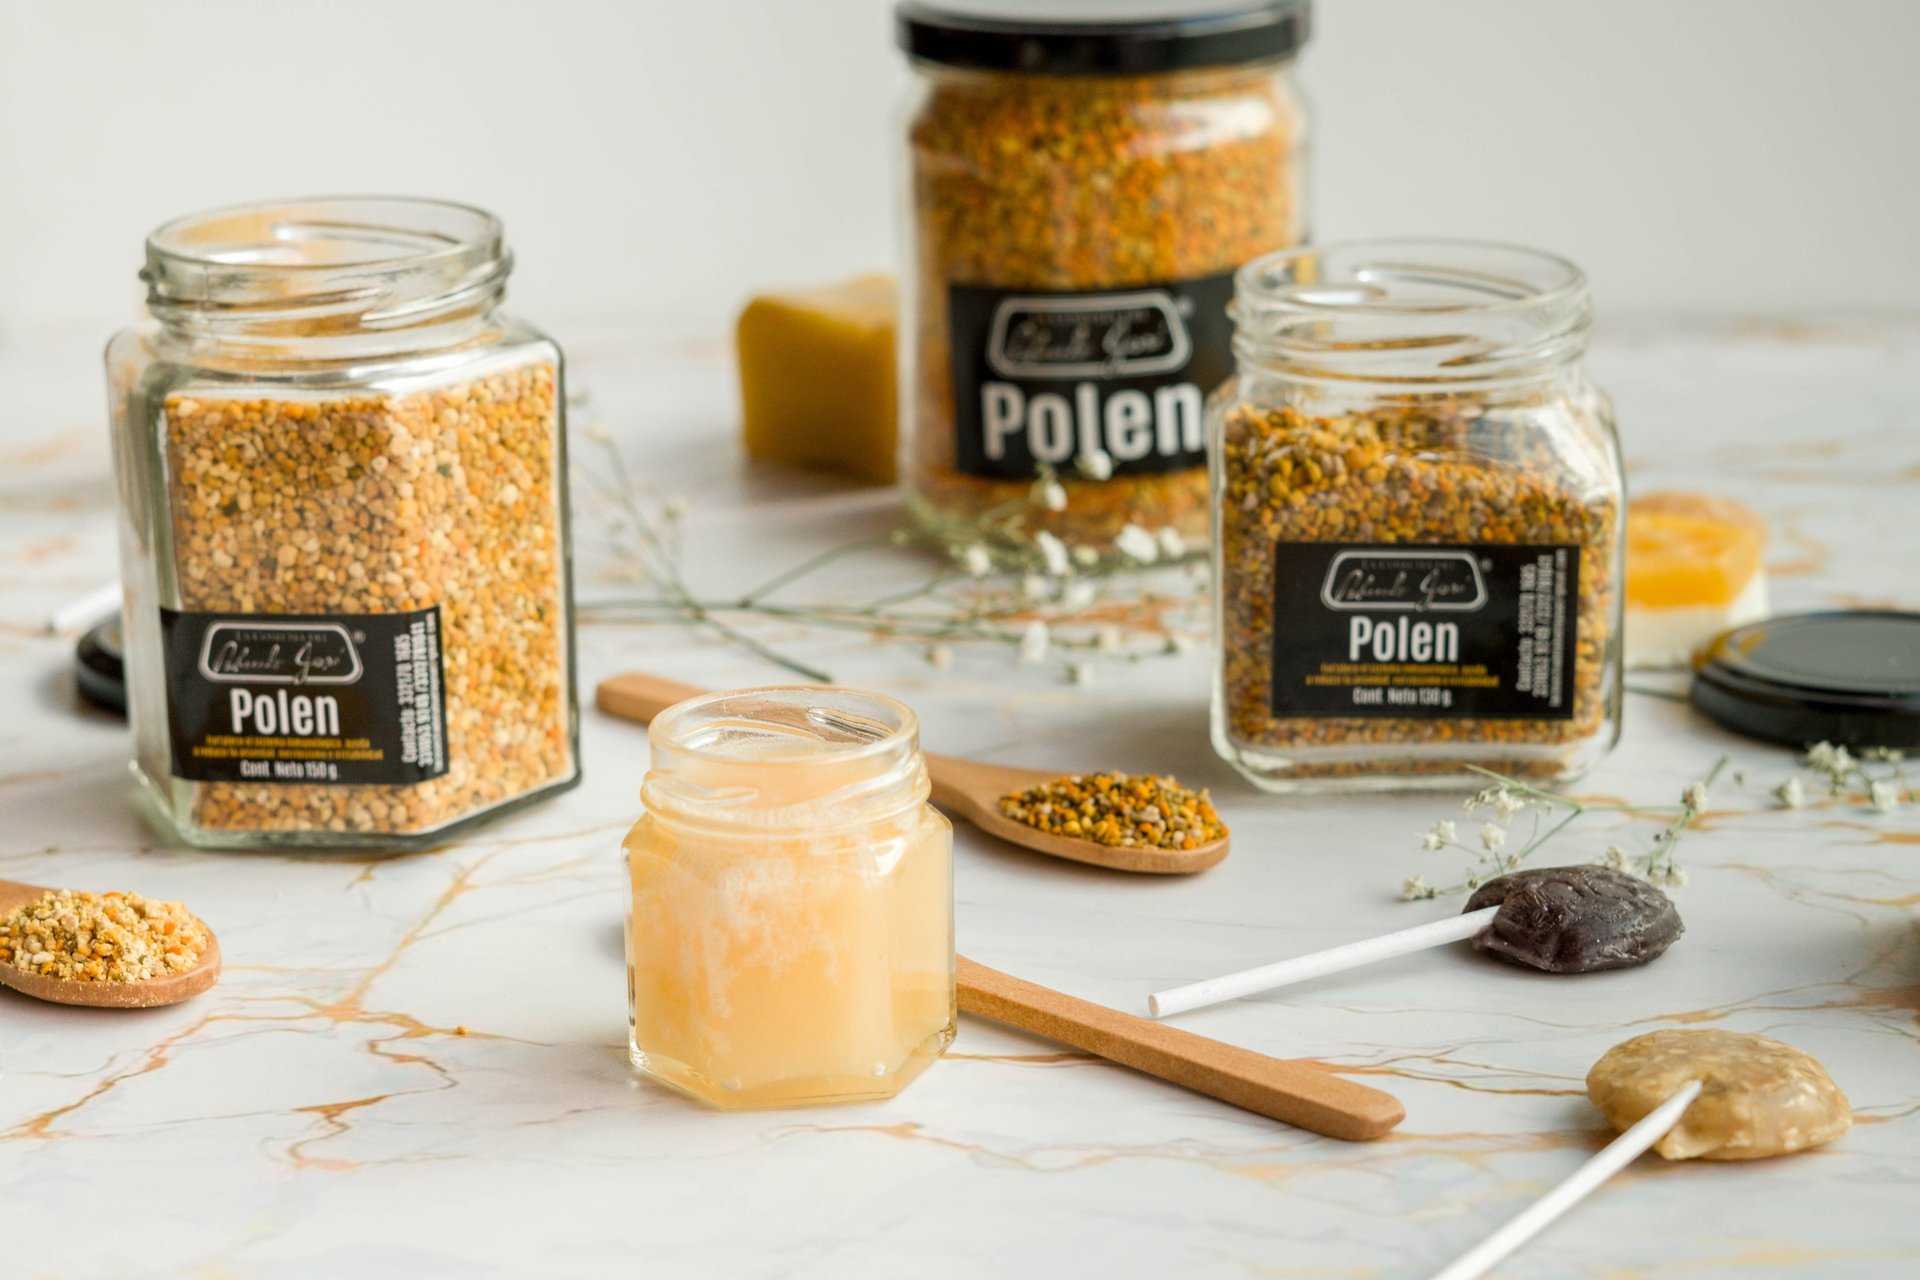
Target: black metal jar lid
{"x": 1106, "y": 37}
{"x": 100, "y": 667}
{"x": 1850, "y": 677}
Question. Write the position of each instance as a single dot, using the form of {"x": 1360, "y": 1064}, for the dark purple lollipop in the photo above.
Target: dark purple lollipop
{"x": 1575, "y": 919}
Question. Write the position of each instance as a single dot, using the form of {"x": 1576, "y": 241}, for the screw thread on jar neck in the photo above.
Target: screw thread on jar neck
{"x": 331, "y": 277}
{"x": 807, "y": 757}
{"x": 1440, "y": 314}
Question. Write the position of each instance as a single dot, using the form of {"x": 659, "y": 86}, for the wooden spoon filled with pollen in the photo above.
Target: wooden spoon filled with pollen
{"x": 971, "y": 790}
{"x": 105, "y": 951}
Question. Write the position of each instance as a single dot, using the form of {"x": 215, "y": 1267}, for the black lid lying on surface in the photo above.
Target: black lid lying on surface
{"x": 1100, "y": 37}
{"x": 1850, "y": 677}
{"x": 99, "y": 671}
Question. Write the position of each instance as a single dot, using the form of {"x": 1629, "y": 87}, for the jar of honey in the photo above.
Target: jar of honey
{"x": 790, "y": 910}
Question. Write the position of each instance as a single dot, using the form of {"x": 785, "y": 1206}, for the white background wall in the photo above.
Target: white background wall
{"x": 662, "y": 159}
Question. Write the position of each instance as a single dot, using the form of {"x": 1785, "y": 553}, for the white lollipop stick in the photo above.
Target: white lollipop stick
{"x": 1348, "y": 956}
{"x": 97, "y": 605}
{"x": 1617, "y": 1155}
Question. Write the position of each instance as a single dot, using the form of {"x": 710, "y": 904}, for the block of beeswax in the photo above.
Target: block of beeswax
{"x": 817, "y": 384}
{"x": 1693, "y": 570}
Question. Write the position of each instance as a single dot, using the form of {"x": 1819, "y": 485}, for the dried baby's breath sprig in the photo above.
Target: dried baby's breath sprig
{"x": 1874, "y": 777}
{"x": 998, "y": 582}
{"x": 1509, "y": 798}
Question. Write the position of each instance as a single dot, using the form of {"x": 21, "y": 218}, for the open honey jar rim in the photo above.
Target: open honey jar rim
{"x": 786, "y": 723}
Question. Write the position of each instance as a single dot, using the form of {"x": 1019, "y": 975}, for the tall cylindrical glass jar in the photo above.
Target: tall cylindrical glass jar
{"x": 790, "y": 906}
{"x": 1417, "y": 494}
{"x": 343, "y": 527}
{"x": 1083, "y": 180}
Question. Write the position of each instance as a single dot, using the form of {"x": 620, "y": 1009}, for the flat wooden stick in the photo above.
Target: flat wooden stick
{"x": 1296, "y": 1093}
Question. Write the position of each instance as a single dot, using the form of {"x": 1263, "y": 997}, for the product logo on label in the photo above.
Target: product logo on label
{"x": 1111, "y": 335}
{"x": 282, "y": 653}
{"x": 1415, "y": 581}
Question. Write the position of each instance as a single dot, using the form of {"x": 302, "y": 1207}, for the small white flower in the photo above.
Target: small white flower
{"x": 1828, "y": 758}
{"x": 1051, "y": 494}
{"x": 1438, "y": 837}
{"x": 976, "y": 561}
{"x": 1791, "y": 794}
{"x": 1416, "y": 887}
{"x": 1081, "y": 673}
{"x": 939, "y": 657}
{"x": 597, "y": 432}
{"x": 1033, "y": 641}
{"x": 1054, "y": 553}
{"x": 1077, "y": 596}
{"x": 1109, "y": 640}
{"x": 1884, "y": 796}
{"x": 1033, "y": 587}
{"x": 1478, "y": 800}
{"x": 1137, "y": 544}
{"x": 1695, "y": 796}
{"x": 1492, "y": 836}
{"x": 1172, "y": 545}
{"x": 1616, "y": 858}
{"x": 1097, "y": 465}
{"x": 1085, "y": 556}
{"x": 1507, "y": 805}
{"x": 1670, "y": 876}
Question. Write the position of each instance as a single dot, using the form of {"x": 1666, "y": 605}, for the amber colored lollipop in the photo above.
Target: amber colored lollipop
{"x": 1708, "y": 1095}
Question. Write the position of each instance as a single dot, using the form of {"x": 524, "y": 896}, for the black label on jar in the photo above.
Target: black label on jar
{"x": 305, "y": 698}
{"x": 1482, "y": 631}
{"x": 1053, "y": 377}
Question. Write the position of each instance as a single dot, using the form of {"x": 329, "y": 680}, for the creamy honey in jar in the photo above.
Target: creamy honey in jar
{"x": 790, "y": 911}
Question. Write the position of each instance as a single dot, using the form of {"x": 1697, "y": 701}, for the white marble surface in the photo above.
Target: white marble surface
{"x": 319, "y": 1114}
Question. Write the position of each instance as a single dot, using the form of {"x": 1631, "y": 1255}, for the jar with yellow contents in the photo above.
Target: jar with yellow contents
{"x": 790, "y": 921}
{"x": 1418, "y": 496}
{"x": 1083, "y": 182}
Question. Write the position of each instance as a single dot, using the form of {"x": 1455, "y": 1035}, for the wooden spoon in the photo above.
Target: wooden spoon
{"x": 968, "y": 789}
{"x": 1300, "y": 1093}
{"x": 149, "y": 994}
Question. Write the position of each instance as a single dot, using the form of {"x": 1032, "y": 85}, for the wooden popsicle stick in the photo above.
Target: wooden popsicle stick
{"x": 1351, "y": 955}
{"x": 1293, "y": 1092}
{"x": 1615, "y": 1156}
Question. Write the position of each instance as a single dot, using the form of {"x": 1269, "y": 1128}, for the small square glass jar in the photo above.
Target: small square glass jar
{"x": 1417, "y": 501}
{"x": 790, "y": 901}
{"x": 343, "y": 520}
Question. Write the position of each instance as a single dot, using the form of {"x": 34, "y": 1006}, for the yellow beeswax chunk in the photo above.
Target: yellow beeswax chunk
{"x": 817, "y": 381}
